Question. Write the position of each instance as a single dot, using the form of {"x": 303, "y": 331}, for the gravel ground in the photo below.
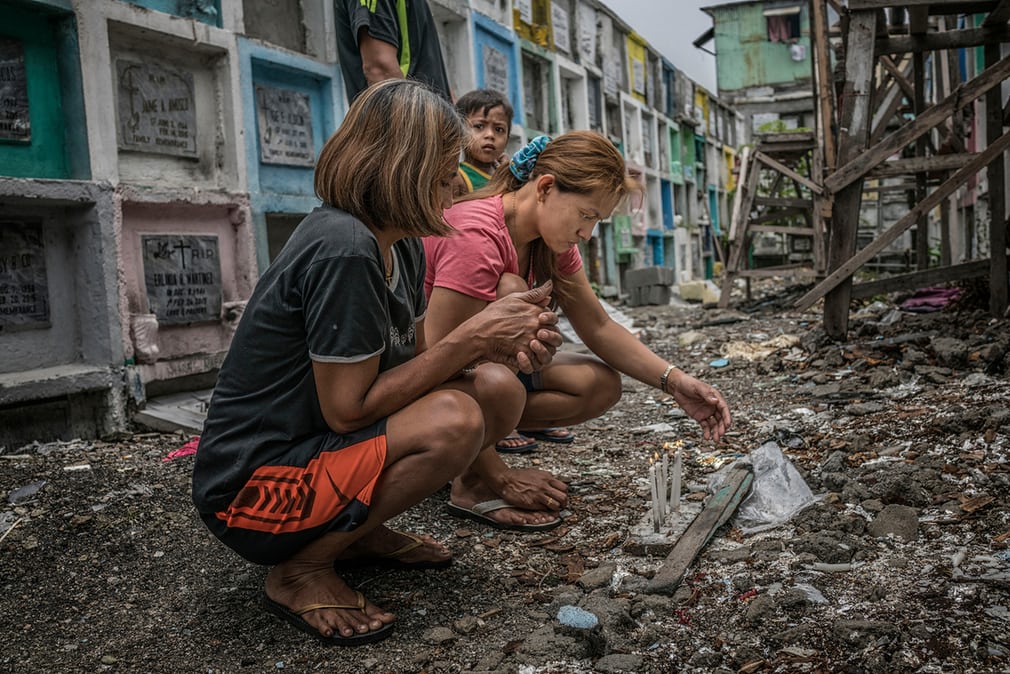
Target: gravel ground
{"x": 900, "y": 565}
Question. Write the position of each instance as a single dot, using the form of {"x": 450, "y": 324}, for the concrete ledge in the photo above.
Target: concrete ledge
{"x": 56, "y": 382}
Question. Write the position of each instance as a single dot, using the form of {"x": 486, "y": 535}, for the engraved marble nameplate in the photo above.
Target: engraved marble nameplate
{"x": 157, "y": 110}
{"x": 24, "y": 285}
{"x": 182, "y": 273}
{"x": 496, "y": 70}
{"x": 285, "y": 127}
{"x": 15, "y": 123}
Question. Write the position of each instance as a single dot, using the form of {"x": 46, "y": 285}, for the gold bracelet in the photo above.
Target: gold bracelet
{"x": 664, "y": 377}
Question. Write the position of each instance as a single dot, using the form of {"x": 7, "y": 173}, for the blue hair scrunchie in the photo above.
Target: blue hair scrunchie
{"x": 525, "y": 158}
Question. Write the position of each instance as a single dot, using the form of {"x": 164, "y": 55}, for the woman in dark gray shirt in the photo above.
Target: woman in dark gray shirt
{"x": 320, "y": 428}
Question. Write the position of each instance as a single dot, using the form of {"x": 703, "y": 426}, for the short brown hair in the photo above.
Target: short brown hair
{"x": 384, "y": 164}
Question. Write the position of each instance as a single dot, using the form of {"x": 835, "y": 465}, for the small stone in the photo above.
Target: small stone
{"x": 573, "y": 616}
{"x": 109, "y": 659}
{"x": 466, "y": 624}
{"x": 439, "y": 635}
{"x": 898, "y": 520}
{"x": 617, "y": 663}
{"x": 598, "y": 577}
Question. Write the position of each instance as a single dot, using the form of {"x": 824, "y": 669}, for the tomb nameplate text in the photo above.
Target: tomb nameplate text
{"x": 496, "y": 70}
{"x": 182, "y": 273}
{"x": 24, "y": 285}
{"x": 157, "y": 110}
{"x": 285, "y": 127}
{"x": 15, "y": 124}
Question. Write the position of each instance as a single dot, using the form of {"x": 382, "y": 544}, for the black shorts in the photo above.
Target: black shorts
{"x": 322, "y": 485}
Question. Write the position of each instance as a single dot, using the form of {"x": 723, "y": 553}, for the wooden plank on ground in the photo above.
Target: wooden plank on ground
{"x": 920, "y": 279}
{"x": 718, "y": 509}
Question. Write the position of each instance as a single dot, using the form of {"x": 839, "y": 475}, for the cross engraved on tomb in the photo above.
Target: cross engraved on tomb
{"x": 157, "y": 109}
{"x": 285, "y": 127}
{"x": 182, "y": 273}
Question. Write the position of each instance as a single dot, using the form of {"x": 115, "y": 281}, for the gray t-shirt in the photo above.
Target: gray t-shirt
{"x": 323, "y": 298}
{"x": 419, "y": 48}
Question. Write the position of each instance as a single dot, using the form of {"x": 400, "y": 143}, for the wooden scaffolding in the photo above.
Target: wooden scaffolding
{"x": 778, "y": 196}
{"x": 895, "y": 110}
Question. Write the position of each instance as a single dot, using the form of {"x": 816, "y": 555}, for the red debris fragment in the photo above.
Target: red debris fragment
{"x": 186, "y": 450}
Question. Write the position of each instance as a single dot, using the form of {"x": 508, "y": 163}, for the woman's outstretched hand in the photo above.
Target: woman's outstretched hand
{"x": 702, "y": 403}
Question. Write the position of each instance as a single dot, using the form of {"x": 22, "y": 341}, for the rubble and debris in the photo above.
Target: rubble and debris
{"x": 901, "y": 563}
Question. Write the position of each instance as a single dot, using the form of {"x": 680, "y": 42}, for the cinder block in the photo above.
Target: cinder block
{"x": 648, "y": 276}
{"x": 656, "y": 295}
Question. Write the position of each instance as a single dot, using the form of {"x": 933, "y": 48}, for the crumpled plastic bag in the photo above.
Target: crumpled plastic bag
{"x": 777, "y": 493}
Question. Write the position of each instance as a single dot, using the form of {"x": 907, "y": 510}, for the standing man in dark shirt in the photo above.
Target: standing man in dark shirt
{"x": 386, "y": 39}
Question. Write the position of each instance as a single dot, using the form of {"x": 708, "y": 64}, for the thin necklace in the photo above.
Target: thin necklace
{"x": 389, "y": 267}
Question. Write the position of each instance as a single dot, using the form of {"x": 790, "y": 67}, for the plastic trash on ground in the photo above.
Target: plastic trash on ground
{"x": 778, "y": 491}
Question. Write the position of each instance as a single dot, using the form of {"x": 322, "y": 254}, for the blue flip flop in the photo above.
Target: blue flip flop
{"x": 558, "y": 435}
{"x": 527, "y": 445}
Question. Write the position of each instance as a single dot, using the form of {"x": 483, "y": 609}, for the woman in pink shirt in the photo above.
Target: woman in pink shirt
{"x": 521, "y": 230}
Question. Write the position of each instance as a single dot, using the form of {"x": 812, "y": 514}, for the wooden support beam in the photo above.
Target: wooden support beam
{"x": 951, "y": 39}
{"x": 785, "y": 170}
{"x": 854, "y": 127}
{"x": 899, "y": 74}
{"x": 939, "y": 162}
{"x": 783, "y": 229}
{"x": 736, "y": 216}
{"x": 783, "y": 202}
{"x": 920, "y": 279}
{"x": 999, "y": 15}
{"x": 855, "y": 5}
{"x": 886, "y": 111}
{"x": 719, "y": 507}
{"x": 845, "y": 270}
{"x": 774, "y": 216}
{"x": 996, "y": 179}
{"x": 784, "y": 270}
{"x": 861, "y": 164}
{"x": 922, "y": 225}
{"x": 825, "y": 100}
{"x": 918, "y": 19}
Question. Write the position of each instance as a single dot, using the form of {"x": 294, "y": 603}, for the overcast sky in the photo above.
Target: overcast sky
{"x": 670, "y": 26}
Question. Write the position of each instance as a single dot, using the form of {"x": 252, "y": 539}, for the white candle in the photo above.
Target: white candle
{"x": 664, "y": 484}
{"x": 655, "y": 497}
{"x": 675, "y": 489}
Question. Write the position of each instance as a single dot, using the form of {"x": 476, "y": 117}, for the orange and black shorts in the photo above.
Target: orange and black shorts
{"x": 320, "y": 486}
